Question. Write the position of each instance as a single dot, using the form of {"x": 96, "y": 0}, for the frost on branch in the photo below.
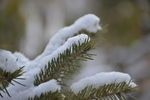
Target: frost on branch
{"x": 45, "y": 76}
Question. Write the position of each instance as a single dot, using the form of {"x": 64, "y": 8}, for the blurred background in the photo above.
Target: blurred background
{"x": 123, "y": 44}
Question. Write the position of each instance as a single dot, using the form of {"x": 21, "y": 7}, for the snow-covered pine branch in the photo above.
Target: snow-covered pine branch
{"x": 104, "y": 85}
{"x": 89, "y": 23}
{"x": 9, "y": 70}
{"x": 101, "y": 79}
{"x": 49, "y": 89}
{"x": 59, "y": 60}
{"x": 65, "y": 59}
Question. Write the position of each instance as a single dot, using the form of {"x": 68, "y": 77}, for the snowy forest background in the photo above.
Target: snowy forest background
{"x": 123, "y": 45}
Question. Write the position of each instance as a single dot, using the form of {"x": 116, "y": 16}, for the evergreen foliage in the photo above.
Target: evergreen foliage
{"x": 114, "y": 91}
{"x": 66, "y": 63}
{"x": 7, "y": 78}
{"x": 62, "y": 66}
{"x": 48, "y": 96}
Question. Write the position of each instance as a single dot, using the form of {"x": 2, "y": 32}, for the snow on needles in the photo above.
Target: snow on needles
{"x": 37, "y": 66}
{"x": 8, "y": 61}
{"x": 51, "y": 85}
{"x": 101, "y": 79}
{"x": 68, "y": 44}
{"x": 34, "y": 68}
{"x": 89, "y": 23}
{"x": 61, "y": 41}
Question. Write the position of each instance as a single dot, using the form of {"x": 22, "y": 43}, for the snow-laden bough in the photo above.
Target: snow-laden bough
{"x": 62, "y": 40}
{"x": 101, "y": 79}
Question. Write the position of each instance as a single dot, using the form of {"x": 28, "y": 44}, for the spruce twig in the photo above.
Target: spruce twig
{"x": 114, "y": 91}
{"x": 66, "y": 63}
{"x": 7, "y": 78}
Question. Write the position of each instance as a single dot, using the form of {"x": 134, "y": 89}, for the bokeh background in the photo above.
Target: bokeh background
{"x": 123, "y": 44}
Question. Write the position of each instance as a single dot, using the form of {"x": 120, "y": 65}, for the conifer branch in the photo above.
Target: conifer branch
{"x": 46, "y": 75}
{"x": 7, "y": 78}
{"x": 66, "y": 63}
{"x": 114, "y": 91}
{"x": 48, "y": 96}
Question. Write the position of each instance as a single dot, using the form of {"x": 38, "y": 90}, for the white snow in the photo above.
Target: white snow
{"x": 89, "y": 22}
{"x": 101, "y": 79}
{"x": 44, "y": 61}
{"x": 8, "y": 61}
{"x": 21, "y": 59}
{"x": 51, "y": 85}
{"x": 34, "y": 68}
